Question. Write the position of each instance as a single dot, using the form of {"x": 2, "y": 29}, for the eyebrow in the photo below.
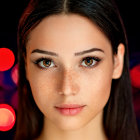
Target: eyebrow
{"x": 76, "y": 54}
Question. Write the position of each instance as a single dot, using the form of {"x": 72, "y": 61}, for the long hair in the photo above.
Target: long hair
{"x": 119, "y": 119}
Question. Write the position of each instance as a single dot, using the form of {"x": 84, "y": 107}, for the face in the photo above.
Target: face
{"x": 69, "y": 61}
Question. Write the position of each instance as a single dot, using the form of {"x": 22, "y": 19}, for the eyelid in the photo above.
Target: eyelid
{"x": 41, "y": 59}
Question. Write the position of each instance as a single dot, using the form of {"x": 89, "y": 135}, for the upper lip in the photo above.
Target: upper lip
{"x": 69, "y": 106}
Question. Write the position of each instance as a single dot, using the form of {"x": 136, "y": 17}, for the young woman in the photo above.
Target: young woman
{"x": 74, "y": 79}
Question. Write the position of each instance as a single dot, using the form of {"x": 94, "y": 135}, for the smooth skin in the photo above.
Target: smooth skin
{"x": 68, "y": 79}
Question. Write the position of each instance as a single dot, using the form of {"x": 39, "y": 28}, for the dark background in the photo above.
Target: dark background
{"x": 11, "y": 10}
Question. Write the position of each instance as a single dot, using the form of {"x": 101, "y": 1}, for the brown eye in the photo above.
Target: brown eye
{"x": 90, "y": 61}
{"x": 44, "y": 63}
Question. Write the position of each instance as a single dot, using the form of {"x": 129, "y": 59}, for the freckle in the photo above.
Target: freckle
{"x": 76, "y": 87}
{"x": 73, "y": 79}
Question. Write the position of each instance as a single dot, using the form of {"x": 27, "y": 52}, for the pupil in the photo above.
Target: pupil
{"x": 46, "y": 62}
{"x": 89, "y": 61}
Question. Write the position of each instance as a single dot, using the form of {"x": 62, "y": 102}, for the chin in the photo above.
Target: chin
{"x": 69, "y": 125}
{"x": 69, "y": 128}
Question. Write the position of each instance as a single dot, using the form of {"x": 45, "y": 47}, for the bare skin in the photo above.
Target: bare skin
{"x": 68, "y": 79}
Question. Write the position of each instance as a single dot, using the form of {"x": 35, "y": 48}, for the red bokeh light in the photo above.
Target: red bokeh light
{"x": 14, "y": 74}
{"x": 135, "y": 76}
{"x": 7, "y": 117}
{"x": 7, "y": 59}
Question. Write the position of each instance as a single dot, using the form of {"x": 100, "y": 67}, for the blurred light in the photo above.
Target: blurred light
{"x": 7, "y": 59}
{"x": 14, "y": 74}
{"x": 7, "y": 117}
{"x": 135, "y": 76}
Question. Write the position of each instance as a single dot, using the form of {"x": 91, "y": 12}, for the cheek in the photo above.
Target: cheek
{"x": 42, "y": 89}
{"x": 98, "y": 88}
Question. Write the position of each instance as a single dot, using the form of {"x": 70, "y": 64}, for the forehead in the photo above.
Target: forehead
{"x": 71, "y": 32}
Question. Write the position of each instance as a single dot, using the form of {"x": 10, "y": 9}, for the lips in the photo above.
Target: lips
{"x": 70, "y": 109}
{"x": 69, "y": 106}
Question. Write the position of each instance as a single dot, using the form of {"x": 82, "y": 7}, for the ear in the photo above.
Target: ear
{"x": 118, "y": 62}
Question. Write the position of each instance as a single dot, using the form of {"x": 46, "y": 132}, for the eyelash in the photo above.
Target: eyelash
{"x": 50, "y": 60}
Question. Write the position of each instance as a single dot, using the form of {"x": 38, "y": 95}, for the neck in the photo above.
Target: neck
{"x": 92, "y": 130}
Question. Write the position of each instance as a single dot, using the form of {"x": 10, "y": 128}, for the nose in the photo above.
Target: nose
{"x": 68, "y": 84}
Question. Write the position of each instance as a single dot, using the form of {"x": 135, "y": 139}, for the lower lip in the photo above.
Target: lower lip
{"x": 70, "y": 111}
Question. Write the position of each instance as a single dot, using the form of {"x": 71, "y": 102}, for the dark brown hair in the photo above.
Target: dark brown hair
{"x": 119, "y": 117}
